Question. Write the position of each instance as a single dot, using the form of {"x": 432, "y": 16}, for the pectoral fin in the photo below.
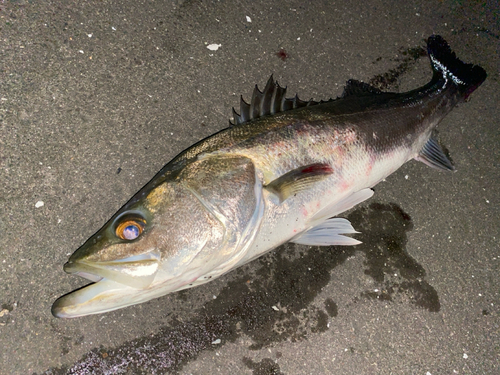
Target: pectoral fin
{"x": 329, "y": 232}
{"x": 298, "y": 180}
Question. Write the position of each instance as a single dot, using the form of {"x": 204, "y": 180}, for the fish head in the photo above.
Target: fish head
{"x": 121, "y": 259}
{"x": 175, "y": 235}
{"x": 147, "y": 249}
{"x": 123, "y": 251}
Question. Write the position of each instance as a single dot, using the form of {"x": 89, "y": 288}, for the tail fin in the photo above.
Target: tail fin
{"x": 447, "y": 66}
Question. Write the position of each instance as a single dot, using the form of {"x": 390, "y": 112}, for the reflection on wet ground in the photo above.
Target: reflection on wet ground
{"x": 293, "y": 275}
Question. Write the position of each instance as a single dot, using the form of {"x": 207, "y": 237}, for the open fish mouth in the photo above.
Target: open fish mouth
{"x": 138, "y": 271}
{"x": 89, "y": 299}
{"x": 115, "y": 284}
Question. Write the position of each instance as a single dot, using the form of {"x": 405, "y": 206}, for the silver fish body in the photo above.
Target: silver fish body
{"x": 281, "y": 173}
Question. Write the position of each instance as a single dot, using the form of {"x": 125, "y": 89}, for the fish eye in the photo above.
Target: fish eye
{"x": 130, "y": 228}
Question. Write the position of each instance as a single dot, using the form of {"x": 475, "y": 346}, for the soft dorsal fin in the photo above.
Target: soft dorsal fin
{"x": 268, "y": 102}
{"x": 358, "y": 88}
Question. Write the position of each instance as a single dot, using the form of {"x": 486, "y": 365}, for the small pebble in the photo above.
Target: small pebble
{"x": 214, "y": 46}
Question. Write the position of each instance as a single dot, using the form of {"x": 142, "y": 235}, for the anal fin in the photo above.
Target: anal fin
{"x": 433, "y": 155}
{"x": 298, "y": 180}
{"x": 329, "y": 232}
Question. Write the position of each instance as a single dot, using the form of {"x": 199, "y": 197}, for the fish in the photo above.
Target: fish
{"x": 281, "y": 172}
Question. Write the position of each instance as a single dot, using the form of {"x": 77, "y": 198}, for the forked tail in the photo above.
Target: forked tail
{"x": 447, "y": 66}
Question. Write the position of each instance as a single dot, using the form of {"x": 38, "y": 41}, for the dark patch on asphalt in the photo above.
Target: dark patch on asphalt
{"x": 67, "y": 342}
{"x": 278, "y": 303}
{"x": 390, "y": 78}
{"x": 331, "y": 307}
{"x": 396, "y": 273}
{"x": 282, "y": 54}
{"x": 477, "y": 30}
{"x": 321, "y": 322}
{"x": 265, "y": 367}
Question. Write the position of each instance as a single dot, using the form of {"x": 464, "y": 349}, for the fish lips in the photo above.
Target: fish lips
{"x": 116, "y": 283}
{"x": 103, "y": 296}
{"x": 137, "y": 272}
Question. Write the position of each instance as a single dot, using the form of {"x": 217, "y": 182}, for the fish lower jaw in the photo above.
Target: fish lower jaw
{"x": 102, "y": 296}
{"x": 108, "y": 295}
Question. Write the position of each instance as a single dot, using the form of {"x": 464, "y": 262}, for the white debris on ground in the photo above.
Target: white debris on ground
{"x": 214, "y": 46}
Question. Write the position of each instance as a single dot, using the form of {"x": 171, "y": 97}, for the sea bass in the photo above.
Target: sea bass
{"x": 281, "y": 173}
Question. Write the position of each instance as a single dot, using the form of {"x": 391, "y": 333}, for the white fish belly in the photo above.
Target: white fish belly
{"x": 284, "y": 221}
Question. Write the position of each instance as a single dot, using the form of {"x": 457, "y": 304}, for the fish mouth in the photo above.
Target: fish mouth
{"x": 116, "y": 284}
{"x": 102, "y": 296}
{"x": 137, "y": 271}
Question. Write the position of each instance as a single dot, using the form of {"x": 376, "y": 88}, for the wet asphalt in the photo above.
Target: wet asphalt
{"x": 96, "y": 96}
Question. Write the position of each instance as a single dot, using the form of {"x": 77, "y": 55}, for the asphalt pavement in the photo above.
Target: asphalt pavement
{"x": 96, "y": 96}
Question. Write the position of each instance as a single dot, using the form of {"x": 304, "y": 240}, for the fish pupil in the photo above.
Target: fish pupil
{"x": 131, "y": 232}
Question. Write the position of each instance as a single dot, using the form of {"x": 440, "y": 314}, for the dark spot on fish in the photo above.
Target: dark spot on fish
{"x": 119, "y": 170}
{"x": 282, "y": 54}
{"x": 288, "y": 279}
{"x": 265, "y": 367}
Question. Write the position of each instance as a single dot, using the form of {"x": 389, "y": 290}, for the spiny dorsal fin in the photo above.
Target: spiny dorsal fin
{"x": 358, "y": 88}
{"x": 268, "y": 102}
